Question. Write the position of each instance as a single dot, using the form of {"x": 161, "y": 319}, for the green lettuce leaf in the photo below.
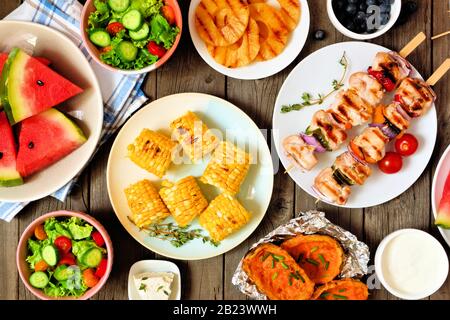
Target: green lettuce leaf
{"x": 35, "y": 249}
{"x": 143, "y": 60}
{"x": 162, "y": 32}
{"x": 55, "y": 229}
{"x": 101, "y": 6}
{"x": 78, "y": 228}
{"x": 147, "y": 7}
{"x": 98, "y": 19}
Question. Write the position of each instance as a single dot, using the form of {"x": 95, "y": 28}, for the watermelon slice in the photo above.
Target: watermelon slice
{"x": 9, "y": 177}
{"x": 29, "y": 87}
{"x": 443, "y": 216}
{"x": 44, "y": 139}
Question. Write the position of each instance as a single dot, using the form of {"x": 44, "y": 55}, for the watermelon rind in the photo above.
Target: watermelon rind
{"x": 10, "y": 178}
{"x": 4, "y": 85}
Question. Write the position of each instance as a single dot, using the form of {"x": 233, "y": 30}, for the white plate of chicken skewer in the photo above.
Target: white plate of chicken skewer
{"x": 315, "y": 75}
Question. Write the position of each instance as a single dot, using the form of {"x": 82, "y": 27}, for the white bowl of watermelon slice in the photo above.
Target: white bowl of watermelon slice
{"x": 440, "y": 195}
{"x": 42, "y": 146}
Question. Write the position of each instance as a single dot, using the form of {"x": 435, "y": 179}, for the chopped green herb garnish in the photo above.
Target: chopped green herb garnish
{"x": 143, "y": 287}
{"x": 314, "y": 249}
{"x": 324, "y": 295}
{"x": 290, "y": 281}
{"x": 264, "y": 257}
{"x": 159, "y": 288}
{"x": 274, "y": 276}
{"x": 307, "y": 98}
{"x": 144, "y": 278}
{"x": 166, "y": 293}
{"x": 312, "y": 261}
{"x": 300, "y": 276}
{"x": 339, "y": 297}
{"x": 300, "y": 258}
{"x": 327, "y": 265}
{"x": 322, "y": 259}
{"x": 273, "y": 263}
{"x": 285, "y": 266}
{"x": 342, "y": 290}
{"x": 278, "y": 258}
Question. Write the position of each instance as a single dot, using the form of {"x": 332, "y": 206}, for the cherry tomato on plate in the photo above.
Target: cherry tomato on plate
{"x": 114, "y": 28}
{"x": 89, "y": 278}
{"x": 68, "y": 259}
{"x": 101, "y": 269}
{"x": 98, "y": 239}
{"x": 391, "y": 163}
{"x": 169, "y": 14}
{"x": 156, "y": 49}
{"x": 64, "y": 244}
{"x": 406, "y": 145}
{"x": 41, "y": 266}
{"x": 39, "y": 232}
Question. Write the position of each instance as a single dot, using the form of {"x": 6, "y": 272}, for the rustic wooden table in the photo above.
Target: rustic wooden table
{"x": 186, "y": 72}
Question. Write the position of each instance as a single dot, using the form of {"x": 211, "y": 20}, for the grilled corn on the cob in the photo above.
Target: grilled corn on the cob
{"x": 184, "y": 199}
{"x": 224, "y": 216}
{"x": 152, "y": 151}
{"x": 145, "y": 204}
{"x": 227, "y": 169}
{"x": 194, "y": 136}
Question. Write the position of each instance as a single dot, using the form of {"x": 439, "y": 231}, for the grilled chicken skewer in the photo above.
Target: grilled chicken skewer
{"x": 413, "y": 99}
{"x": 352, "y": 107}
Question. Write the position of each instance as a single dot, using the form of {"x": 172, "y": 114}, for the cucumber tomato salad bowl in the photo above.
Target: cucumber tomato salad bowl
{"x": 131, "y": 36}
{"x": 64, "y": 255}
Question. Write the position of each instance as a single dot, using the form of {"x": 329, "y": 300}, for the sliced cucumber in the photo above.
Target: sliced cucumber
{"x": 127, "y": 51}
{"x": 132, "y": 20}
{"x": 141, "y": 34}
{"x": 119, "y": 5}
{"x": 92, "y": 257}
{"x": 341, "y": 178}
{"x": 100, "y": 38}
{"x": 63, "y": 273}
{"x": 39, "y": 280}
{"x": 50, "y": 255}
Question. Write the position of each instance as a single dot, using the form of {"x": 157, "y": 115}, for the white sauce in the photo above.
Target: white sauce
{"x": 413, "y": 264}
{"x": 154, "y": 285}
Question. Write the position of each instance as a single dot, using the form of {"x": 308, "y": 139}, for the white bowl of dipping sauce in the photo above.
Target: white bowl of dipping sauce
{"x": 411, "y": 264}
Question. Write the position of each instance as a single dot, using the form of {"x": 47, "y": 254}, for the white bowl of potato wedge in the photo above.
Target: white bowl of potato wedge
{"x": 244, "y": 39}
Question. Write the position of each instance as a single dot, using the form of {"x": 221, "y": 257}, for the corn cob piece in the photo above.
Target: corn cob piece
{"x": 152, "y": 151}
{"x": 145, "y": 204}
{"x": 227, "y": 169}
{"x": 194, "y": 136}
{"x": 184, "y": 199}
{"x": 224, "y": 216}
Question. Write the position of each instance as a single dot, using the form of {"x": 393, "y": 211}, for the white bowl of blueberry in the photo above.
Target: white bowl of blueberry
{"x": 363, "y": 19}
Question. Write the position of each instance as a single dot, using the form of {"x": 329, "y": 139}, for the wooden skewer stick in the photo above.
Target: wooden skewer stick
{"x": 289, "y": 168}
{"x": 440, "y": 35}
{"x": 439, "y": 73}
{"x": 413, "y": 44}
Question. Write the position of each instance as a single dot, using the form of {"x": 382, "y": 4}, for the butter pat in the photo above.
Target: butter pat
{"x": 154, "y": 285}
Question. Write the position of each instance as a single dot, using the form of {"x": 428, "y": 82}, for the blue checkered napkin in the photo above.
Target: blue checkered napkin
{"x": 121, "y": 94}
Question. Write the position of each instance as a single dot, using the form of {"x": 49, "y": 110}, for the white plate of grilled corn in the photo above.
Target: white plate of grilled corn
{"x": 190, "y": 176}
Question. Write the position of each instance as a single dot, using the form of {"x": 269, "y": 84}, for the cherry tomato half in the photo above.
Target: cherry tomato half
{"x": 63, "y": 243}
{"x": 101, "y": 269}
{"x": 98, "y": 239}
{"x": 68, "y": 259}
{"x": 114, "y": 28}
{"x": 156, "y": 49}
{"x": 406, "y": 145}
{"x": 391, "y": 163}
{"x": 169, "y": 14}
{"x": 89, "y": 278}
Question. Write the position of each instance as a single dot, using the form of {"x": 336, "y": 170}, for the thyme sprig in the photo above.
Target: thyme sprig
{"x": 178, "y": 236}
{"x": 309, "y": 100}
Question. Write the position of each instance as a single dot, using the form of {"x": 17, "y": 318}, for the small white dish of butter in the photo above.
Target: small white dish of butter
{"x": 154, "y": 280}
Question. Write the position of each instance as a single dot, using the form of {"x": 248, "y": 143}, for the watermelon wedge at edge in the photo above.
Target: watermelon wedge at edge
{"x": 29, "y": 87}
{"x": 9, "y": 177}
{"x": 443, "y": 216}
{"x": 46, "y": 138}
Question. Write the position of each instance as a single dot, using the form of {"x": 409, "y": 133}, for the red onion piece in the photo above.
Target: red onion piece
{"x": 356, "y": 157}
{"x": 403, "y": 63}
{"x": 320, "y": 195}
{"x": 388, "y": 132}
{"x": 377, "y": 125}
{"x": 312, "y": 141}
{"x": 403, "y": 112}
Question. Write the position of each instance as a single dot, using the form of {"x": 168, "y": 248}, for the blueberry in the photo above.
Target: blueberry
{"x": 410, "y": 6}
{"x": 372, "y": 2}
{"x": 353, "y": 1}
{"x": 350, "y": 25}
{"x": 319, "y": 34}
{"x": 385, "y": 8}
{"x": 361, "y": 16}
{"x": 362, "y": 7}
{"x": 351, "y": 9}
{"x": 385, "y": 18}
{"x": 338, "y": 5}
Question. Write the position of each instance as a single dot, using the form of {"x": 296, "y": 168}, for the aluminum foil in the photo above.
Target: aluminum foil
{"x": 311, "y": 222}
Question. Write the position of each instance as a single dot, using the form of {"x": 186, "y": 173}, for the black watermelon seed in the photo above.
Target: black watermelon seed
{"x": 1, "y": 155}
{"x": 31, "y": 145}
{"x": 40, "y": 83}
